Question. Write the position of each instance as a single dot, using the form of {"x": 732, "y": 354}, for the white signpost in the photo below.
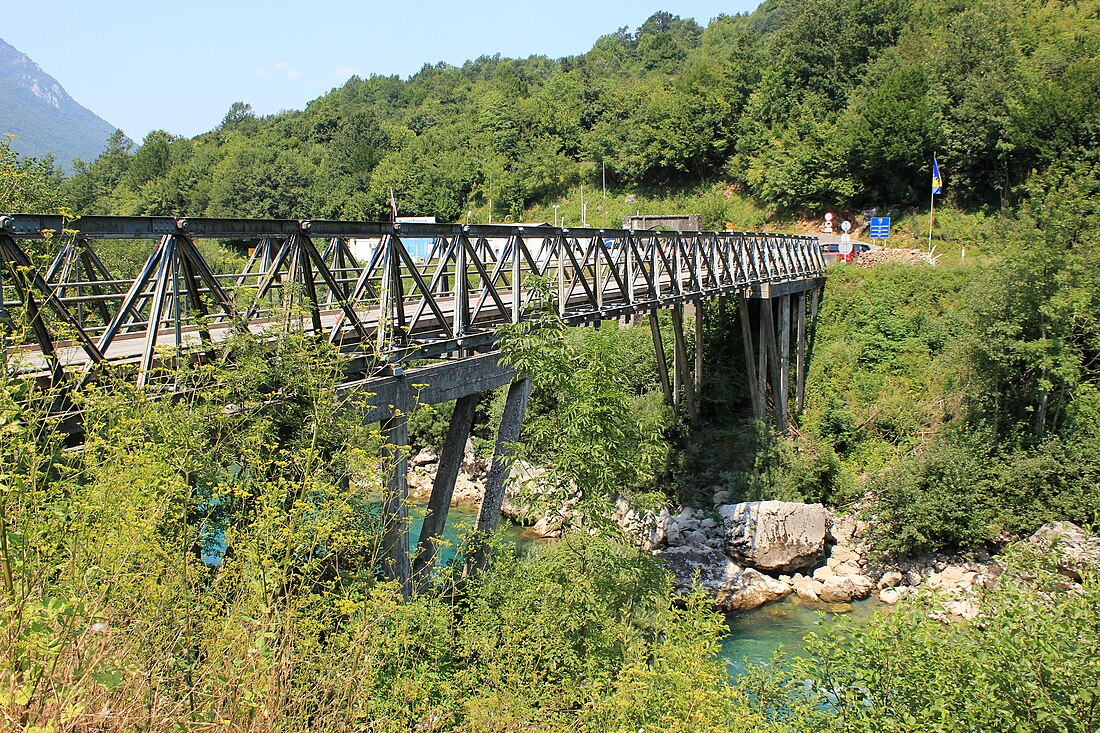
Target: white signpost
{"x": 845, "y": 246}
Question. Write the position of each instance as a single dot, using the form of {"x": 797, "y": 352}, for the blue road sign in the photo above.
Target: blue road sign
{"x": 880, "y": 227}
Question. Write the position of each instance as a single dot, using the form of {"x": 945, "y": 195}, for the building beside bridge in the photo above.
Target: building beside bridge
{"x": 671, "y": 222}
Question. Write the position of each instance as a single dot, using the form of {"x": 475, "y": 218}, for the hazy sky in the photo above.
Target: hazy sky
{"x": 178, "y": 66}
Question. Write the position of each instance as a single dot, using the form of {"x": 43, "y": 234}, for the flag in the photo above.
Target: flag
{"x": 937, "y": 181}
{"x": 393, "y": 205}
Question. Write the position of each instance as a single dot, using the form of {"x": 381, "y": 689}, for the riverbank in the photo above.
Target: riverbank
{"x": 742, "y": 555}
{"x": 748, "y": 554}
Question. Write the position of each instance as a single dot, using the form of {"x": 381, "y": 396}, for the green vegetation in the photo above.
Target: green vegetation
{"x": 597, "y": 420}
{"x": 198, "y": 565}
{"x": 963, "y": 398}
{"x": 1030, "y": 663}
{"x": 27, "y": 184}
{"x": 213, "y": 561}
{"x": 205, "y": 565}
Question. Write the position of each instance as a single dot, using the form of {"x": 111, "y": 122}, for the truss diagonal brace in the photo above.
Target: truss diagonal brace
{"x": 26, "y": 278}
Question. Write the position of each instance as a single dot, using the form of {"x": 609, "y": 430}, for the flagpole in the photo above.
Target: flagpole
{"x": 931, "y": 218}
{"x": 932, "y": 204}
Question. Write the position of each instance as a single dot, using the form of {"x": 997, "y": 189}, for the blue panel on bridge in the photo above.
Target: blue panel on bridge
{"x": 880, "y": 227}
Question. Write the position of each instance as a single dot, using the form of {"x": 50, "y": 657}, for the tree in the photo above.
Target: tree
{"x": 1039, "y": 315}
{"x": 151, "y": 160}
{"x": 240, "y": 115}
{"x": 891, "y": 132}
{"x": 28, "y": 185}
{"x": 92, "y": 187}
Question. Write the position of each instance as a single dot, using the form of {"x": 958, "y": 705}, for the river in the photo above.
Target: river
{"x": 754, "y": 636}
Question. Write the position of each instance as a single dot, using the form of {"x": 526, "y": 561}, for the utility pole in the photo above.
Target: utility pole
{"x": 603, "y": 180}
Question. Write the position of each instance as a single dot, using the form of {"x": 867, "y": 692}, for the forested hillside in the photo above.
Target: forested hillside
{"x": 799, "y": 105}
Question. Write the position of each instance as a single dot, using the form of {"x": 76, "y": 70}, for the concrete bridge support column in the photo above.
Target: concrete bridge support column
{"x": 511, "y": 422}
{"x": 439, "y": 504}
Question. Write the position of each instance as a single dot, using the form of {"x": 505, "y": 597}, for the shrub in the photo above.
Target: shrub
{"x": 1031, "y": 662}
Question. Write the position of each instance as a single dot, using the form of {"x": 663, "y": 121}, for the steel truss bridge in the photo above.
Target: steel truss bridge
{"x": 65, "y": 316}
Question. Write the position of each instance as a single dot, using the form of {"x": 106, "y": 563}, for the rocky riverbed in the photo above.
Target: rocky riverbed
{"x": 744, "y": 555}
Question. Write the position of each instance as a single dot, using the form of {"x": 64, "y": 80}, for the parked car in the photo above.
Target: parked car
{"x": 834, "y": 248}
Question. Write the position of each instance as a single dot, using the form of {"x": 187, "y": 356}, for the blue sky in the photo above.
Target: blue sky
{"x": 178, "y": 66}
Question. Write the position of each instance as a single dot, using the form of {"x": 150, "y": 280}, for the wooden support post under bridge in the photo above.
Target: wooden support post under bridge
{"x": 439, "y": 504}
{"x": 680, "y": 359}
{"x": 762, "y": 357}
{"x": 659, "y": 351}
{"x": 767, "y": 323}
{"x": 800, "y": 356}
{"x": 698, "y": 386}
{"x": 772, "y": 353}
{"x": 395, "y": 503}
{"x": 511, "y": 422}
{"x": 756, "y": 395}
{"x": 784, "y": 380}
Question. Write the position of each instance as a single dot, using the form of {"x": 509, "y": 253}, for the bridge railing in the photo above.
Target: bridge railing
{"x": 381, "y": 291}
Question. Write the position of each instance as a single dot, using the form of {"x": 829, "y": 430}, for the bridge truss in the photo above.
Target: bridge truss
{"x": 383, "y": 307}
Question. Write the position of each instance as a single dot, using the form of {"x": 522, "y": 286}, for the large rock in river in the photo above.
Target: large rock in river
{"x": 844, "y": 588}
{"x": 727, "y": 584}
{"x": 751, "y": 589}
{"x": 775, "y": 536}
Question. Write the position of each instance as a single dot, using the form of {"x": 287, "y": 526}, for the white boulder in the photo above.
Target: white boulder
{"x": 775, "y": 535}
{"x": 726, "y": 583}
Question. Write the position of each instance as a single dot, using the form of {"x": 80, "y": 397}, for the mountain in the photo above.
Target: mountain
{"x": 42, "y": 115}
